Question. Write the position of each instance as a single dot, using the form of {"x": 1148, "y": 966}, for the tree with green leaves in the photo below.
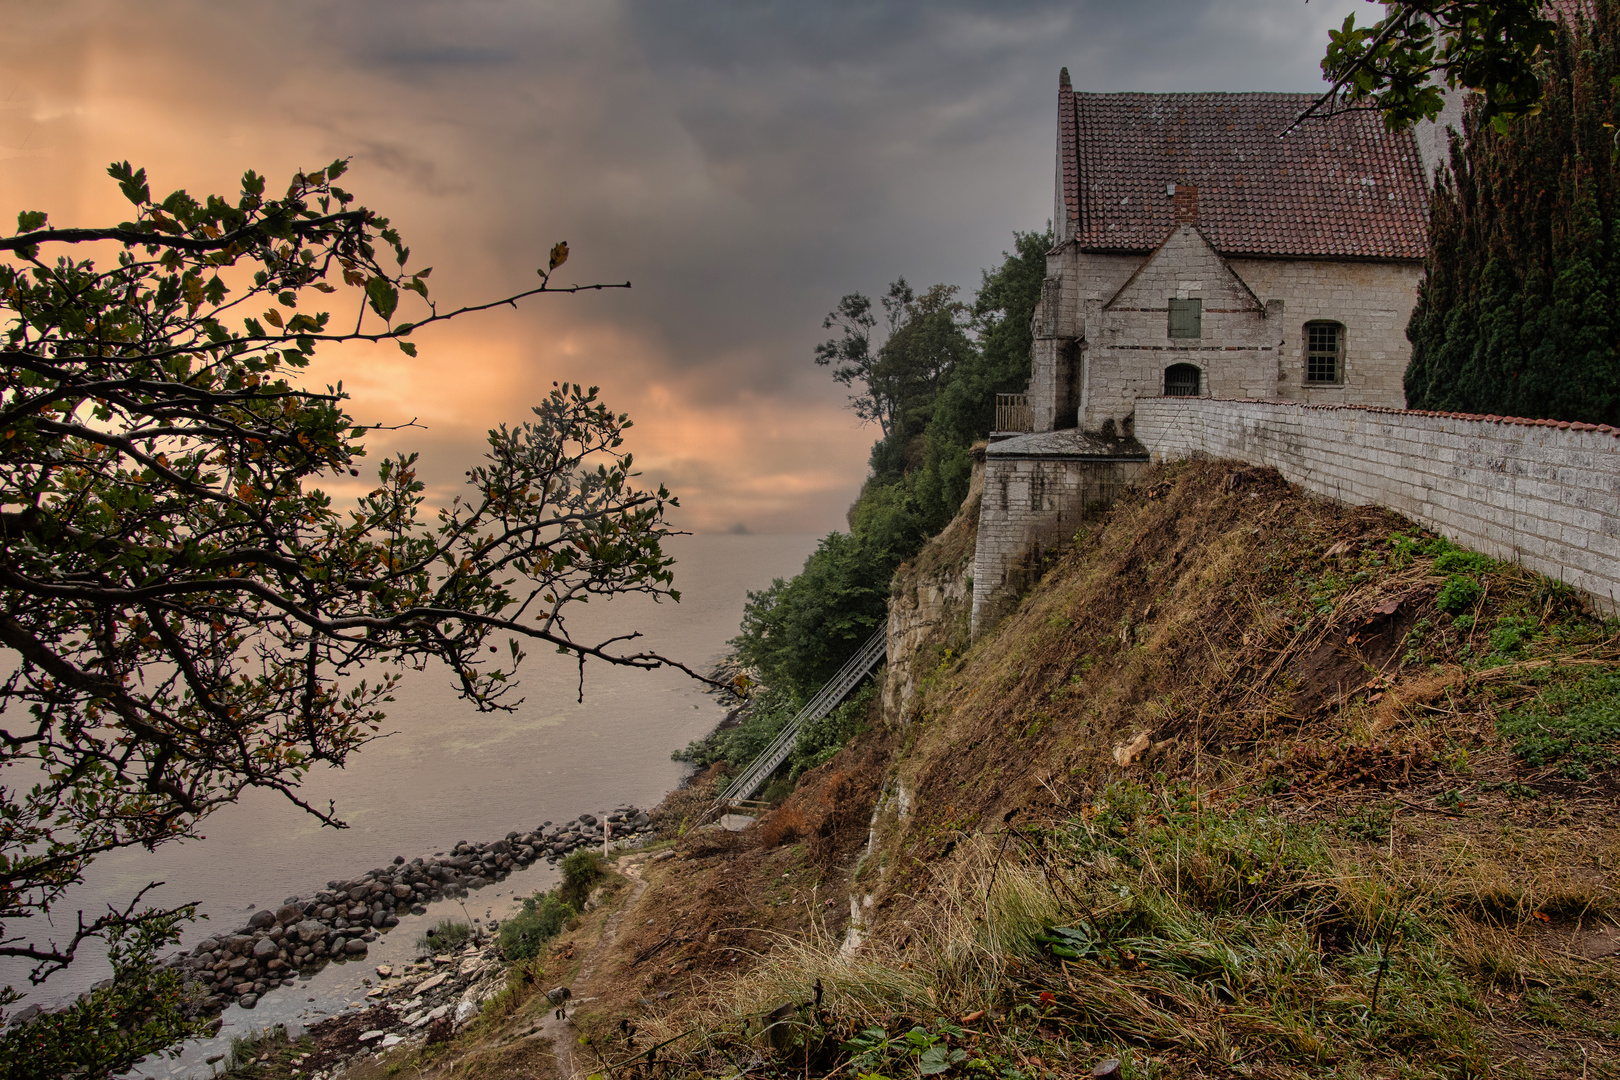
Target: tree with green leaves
{"x": 938, "y": 369}
{"x": 189, "y": 612}
{"x": 1516, "y": 310}
{"x": 1402, "y": 64}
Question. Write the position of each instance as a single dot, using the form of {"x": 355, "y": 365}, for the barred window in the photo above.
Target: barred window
{"x": 1181, "y": 380}
{"x": 1324, "y": 354}
{"x": 1186, "y": 318}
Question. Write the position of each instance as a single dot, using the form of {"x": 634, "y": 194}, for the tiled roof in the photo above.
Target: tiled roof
{"x": 1342, "y": 187}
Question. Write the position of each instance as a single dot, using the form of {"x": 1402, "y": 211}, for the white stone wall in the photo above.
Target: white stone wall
{"x": 1030, "y": 506}
{"x": 1128, "y": 344}
{"x": 1540, "y": 493}
{"x": 1104, "y": 357}
{"x": 1372, "y": 300}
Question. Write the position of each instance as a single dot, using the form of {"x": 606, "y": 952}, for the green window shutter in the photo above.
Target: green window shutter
{"x": 1186, "y": 318}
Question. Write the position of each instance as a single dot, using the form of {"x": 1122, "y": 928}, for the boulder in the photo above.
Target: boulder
{"x": 402, "y": 892}
{"x": 262, "y": 918}
{"x": 265, "y": 950}
{"x": 355, "y": 947}
{"x": 247, "y": 1001}
{"x": 288, "y": 914}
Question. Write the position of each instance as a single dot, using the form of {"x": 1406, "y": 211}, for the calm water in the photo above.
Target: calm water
{"x": 449, "y": 773}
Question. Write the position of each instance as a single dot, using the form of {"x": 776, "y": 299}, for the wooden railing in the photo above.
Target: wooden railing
{"x": 1013, "y": 413}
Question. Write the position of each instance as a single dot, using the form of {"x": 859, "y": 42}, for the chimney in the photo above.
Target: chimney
{"x": 1063, "y": 80}
{"x": 1184, "y": 201}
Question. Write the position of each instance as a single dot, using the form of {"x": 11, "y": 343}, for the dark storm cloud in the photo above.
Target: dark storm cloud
{"x": 744, "y": 164}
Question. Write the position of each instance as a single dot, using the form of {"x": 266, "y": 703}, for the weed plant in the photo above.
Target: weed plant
{"x": 447, "y": 935}
{"x": 524, "y": 935}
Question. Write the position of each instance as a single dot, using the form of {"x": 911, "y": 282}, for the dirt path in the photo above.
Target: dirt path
{"x": 562, "y": 1034}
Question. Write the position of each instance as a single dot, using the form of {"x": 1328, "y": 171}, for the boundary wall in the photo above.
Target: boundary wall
{"x": 1542, "y": 493}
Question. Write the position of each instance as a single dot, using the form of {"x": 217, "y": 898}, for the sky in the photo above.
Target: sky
{"x": 743, "y": 165}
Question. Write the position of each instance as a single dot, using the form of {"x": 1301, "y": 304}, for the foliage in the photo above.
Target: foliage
{"x": 820, "y": 740}
{"x": 1574, "y": 724}
{"x": 581, "y": 870}
{"x": 542, "y": 917}
{"x": 796, "y": 634}
{"x": 448, "y": 934}
{"x": 106, "y": 1031}
{"x": 932, "y": 383}
{"x": 191, "y": 610}
{"x": 1398, "y": 64}
{"x": 1515, "y": 313}
{"x": 1458, "y": 594}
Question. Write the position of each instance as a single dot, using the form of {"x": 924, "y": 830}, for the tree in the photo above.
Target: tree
{"x": 192, "y": 615}
{"x": 1400, "y": 64}
{"x": 937, "y": 371}
{"x": 853, "y": 356}
{"x": 1515, "y": 313}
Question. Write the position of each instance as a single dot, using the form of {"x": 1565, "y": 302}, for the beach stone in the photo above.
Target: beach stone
{"x": 355, "y": 947}
{"x": 327, "y": 913}
{"x": 371, "y": 1036}
{"x": 587, "y": 819}
{"x": 310, "y": 930}
{"x": 289, "y": 914}
{"x": 262, "y": 919}
{"x": 242, "y": 988}
{"x": 402, "y": 892}
{"x": 265, "y": 950}
{"x": 247, "y": 1001}
{"x": 206, "y": 945}
{"x": 418, "y": 909}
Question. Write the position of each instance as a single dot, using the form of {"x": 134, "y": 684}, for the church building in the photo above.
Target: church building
{"x": 1207, "y": 245}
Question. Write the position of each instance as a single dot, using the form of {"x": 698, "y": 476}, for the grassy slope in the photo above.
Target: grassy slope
{"x": 1227, "y": 795}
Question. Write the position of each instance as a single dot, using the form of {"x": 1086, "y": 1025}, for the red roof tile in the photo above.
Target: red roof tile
{"x": 1343, "y": 187}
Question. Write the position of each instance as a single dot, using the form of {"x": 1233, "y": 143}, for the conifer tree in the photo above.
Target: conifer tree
{"x": 1516, "y": 312}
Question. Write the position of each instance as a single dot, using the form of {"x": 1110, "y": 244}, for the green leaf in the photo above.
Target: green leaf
{"x": 408, "y": 348}
{"x": 384, "y": 298}
{"x": 30, "y": 220}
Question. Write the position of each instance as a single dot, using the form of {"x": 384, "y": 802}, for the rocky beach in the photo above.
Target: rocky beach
{"x": 304, "y": 933}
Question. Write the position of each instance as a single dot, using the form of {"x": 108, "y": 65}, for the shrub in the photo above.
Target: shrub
{"x": 523, "y": 935}
{"x": 448, "y": 935}
{"x": 1459, "y": 594}
{"x": 580, "y": 870}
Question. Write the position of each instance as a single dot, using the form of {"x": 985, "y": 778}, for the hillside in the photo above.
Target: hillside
{"x": 1250, "y": 784}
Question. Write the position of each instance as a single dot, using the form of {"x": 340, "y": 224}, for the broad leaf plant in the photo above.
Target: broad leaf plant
{"x": 188, "y": 611}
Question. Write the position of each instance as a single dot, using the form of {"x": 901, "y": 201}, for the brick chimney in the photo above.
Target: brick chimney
{"x": 1185, "y": 204}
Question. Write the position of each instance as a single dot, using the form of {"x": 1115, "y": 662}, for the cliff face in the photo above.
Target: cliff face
{"x": 1229, "y": 776}
{"x": 930, "y": 602}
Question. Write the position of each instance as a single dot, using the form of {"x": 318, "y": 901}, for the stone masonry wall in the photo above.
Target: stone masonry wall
{"x": 1031, "y": 505}
{"x": 1373, "y": 301}
{"x": 1541, "y": 493}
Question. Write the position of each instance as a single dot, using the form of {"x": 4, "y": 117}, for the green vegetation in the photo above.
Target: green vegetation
{"x": 188, "y": 604}
{"x": 448, "y": 934}
{"x": 581, "y": 870}
{"x": 1574, "y": 724}
{"x": 930, "y": 385}
{"x": 1516, "y": 313}
{"x": 765, "y": 717}
{"x": 542, "y": 917}
{"x": 1401, "y": 64}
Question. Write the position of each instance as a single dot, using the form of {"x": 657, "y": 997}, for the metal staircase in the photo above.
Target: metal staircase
{"x": 859, "y": 666}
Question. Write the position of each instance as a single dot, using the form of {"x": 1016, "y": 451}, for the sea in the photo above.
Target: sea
{"x": 447, "y": 773}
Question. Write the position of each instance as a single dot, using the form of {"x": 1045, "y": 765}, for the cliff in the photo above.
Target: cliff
{"x": 1249, "y": 784}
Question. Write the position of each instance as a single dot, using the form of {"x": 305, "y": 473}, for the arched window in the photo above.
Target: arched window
{"x": 1181, "y": 380}
{"x": 1324, "y": 354}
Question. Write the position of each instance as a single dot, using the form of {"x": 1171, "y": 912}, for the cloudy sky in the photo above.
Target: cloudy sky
{"x": 743, "y": 164}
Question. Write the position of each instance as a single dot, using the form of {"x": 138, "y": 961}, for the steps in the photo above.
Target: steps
{"x": 858, "y": 667}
